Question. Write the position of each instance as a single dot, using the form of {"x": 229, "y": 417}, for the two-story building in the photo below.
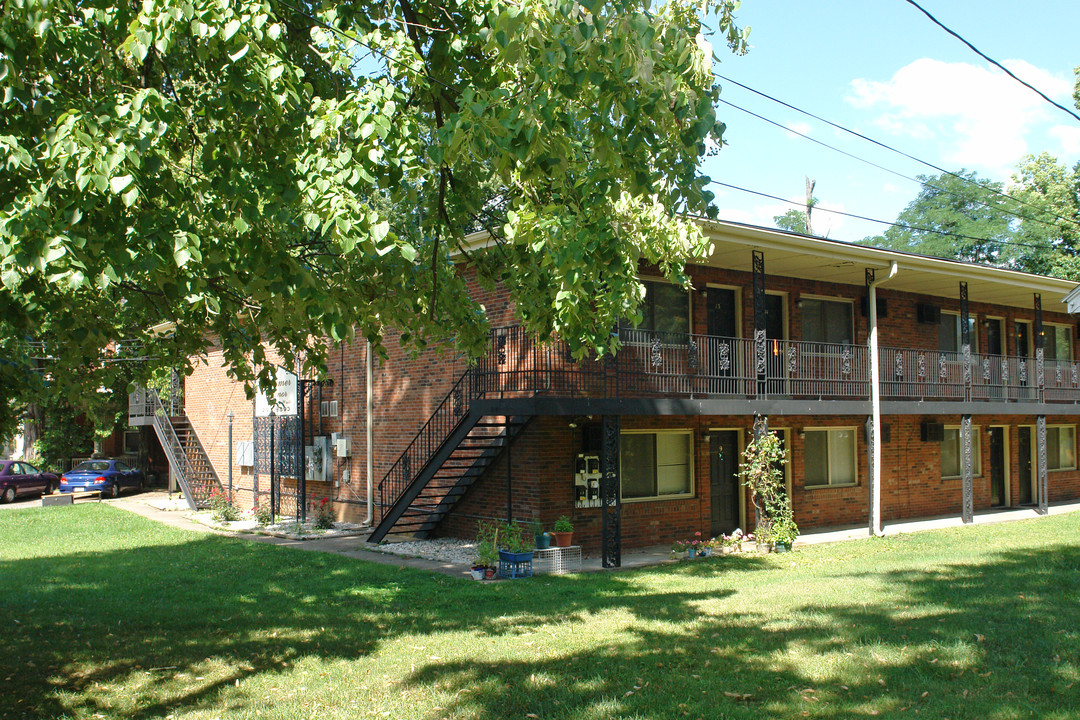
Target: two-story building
{"x": 901, "y": 386}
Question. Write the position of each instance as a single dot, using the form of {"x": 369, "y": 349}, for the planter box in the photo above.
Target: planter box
{"x": 515, "y": 565}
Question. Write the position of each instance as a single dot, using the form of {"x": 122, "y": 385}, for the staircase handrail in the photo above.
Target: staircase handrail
{"x": 172, "y": 446}
{"x": 430, "y": 437}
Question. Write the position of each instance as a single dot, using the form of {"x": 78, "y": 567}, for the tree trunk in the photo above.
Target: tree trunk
{"x": 32, "y": 426}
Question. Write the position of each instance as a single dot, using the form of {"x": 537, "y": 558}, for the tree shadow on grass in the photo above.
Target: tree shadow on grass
{"x": 993, "y": 638}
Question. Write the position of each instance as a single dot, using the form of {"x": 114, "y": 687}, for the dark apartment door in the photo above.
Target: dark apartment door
{"x": 1024, "y": 465}
{"x": 994, "y": 346}
{"x": 997, "y": 466}
{"x": 723, "y": 327}
{"x": 724, "y": 484}
{"x": 1023, "y": 339}
{"x": 774, "y": 334}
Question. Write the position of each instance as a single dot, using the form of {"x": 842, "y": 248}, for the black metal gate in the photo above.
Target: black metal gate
{"x": 278, "y": 463}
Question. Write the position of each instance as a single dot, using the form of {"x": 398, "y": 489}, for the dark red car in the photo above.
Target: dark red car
{"x": 18, "y": 477}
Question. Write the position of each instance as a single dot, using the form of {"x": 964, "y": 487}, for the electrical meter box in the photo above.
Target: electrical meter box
{"x": 587, "y": 481}
{"x": 319, "y": 460}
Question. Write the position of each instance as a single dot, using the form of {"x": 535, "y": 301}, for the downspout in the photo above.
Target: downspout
{"x": 875, "y": 400}
{"x": 369, "y": 467}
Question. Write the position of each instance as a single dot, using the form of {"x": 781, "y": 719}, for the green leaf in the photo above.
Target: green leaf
{"x": 118, "y": 183}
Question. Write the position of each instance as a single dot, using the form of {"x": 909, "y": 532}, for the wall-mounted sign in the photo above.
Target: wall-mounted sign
{"x": 283, "y": 401}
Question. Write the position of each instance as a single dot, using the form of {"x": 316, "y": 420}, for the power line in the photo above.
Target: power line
{"x": 990, "y": 60}
{"x": 885, "y": 146}
{"x": 903, "y": 226}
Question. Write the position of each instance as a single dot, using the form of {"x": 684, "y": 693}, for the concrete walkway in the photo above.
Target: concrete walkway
{"x": 151, "y": 505}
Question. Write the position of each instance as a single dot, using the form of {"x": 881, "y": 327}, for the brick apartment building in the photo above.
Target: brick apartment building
{"x": 974, "y": 405}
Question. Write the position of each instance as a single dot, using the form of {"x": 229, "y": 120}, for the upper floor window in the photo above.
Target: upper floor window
{"x": 949, "y": 339}
{"x": 665, "y": 309}
{"x": 827, "y": 321}
{"x": 1057, "y": 342}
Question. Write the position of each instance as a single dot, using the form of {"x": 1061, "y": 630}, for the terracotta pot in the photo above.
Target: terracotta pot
{"x": 563, "y": 539}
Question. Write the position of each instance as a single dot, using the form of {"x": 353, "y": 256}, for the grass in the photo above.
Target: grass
{"x": 110, "y": 615}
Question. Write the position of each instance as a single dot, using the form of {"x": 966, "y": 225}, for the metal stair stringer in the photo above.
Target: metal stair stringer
{"x": 427, "y": 472}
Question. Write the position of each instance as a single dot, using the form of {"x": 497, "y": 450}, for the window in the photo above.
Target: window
{"x": 666, "y": 308}
{"x": 1057, "y": 342}
{"x": 656, "y": 464}
{"x": 829, "y": 457}
{"x": 131, "y": 442}
{"x": 827, "y": 321}
{"x": 950, "y": 453}
{"x": 949, "y": 339}
{"x": 1061, "y": 447}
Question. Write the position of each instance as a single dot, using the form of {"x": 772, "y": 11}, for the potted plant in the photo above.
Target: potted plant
{"x": 543, "y": 540}
{"x": 563, "y": 530}
{"x": 513, "y": 544}
{"x": 784, "y": 532}
{"x": 487, "y": 556}
{"x": 763, "y": 475}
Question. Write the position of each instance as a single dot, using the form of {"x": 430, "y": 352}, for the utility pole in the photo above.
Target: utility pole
{"x": 809, "y": 202}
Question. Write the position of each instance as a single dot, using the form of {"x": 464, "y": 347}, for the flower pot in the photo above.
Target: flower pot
{"x": 489, "y": 573}
{"x": 477, "y": 573}
{"x": 764, "y": 547}
{"x": 543, "y": 541}
{"x": 690, "y": 553}
{"x": 516, "y": 557}
{"x": 563, "y": 539}
{"x": 782, "y": 547}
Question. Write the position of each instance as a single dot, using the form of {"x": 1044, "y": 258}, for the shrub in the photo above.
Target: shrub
{"x": 324, "y": 514}
{"x": 264, "y": 514}
{"x": 222, "y": 506}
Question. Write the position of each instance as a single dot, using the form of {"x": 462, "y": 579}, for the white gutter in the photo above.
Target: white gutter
{"x": 875, "y": 399}
{"x": 369, "y": 462}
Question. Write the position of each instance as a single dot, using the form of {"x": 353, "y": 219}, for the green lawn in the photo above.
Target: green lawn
{"x": 109, "y": 615}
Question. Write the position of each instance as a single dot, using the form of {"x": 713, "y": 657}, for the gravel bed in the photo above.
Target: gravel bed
{"x": 448, "y": 550}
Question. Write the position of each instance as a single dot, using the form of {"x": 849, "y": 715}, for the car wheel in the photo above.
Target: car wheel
{"x": 142, "y": 484}
{"x": 115, "y": 490}
{"x": 50, "y": 488}
{"x": 9, "y": 494}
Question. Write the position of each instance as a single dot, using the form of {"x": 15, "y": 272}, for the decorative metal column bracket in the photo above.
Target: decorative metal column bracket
{"x": 967, "y": 470}
{"x": 1040, "y": 442}
{"x": 760, "y": 343}
{"x": 1040, "y": 377}
{"x": 965, "y": 339}
{"x": 610, "y": 505}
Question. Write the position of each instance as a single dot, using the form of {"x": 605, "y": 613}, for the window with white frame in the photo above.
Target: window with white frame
{"x": 951, "y": 451}
{"x": 829, "y": 456}
{"x": 1060, "y": 447}
{"x": 827, "y": 321}
{"x": 1057, "y": 342}
{"x": 656, "y": 464}
{"x": 665, "y": 309}
{"x": 949, "y": 339}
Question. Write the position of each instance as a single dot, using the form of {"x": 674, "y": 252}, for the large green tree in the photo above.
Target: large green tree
{"x": 293, "y": 170}
{"x": 956, "y": 215}
{"x": 1048, "y": 195}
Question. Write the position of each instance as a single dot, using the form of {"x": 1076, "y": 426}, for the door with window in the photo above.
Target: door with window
{"x": 722, "y": 347}
{"x": 992, "y": 373}
{"x": 1025, "y": 467}
{"x": 998, "y": 467}
{"x": 825, "y": 361}
{"x": 724, "y": 481}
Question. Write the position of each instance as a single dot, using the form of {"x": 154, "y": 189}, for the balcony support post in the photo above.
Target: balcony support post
{"x": 1040, "y": 450}
{"x": 1040, "y": 376}
{"x": 874, "y": 436}
{"x": 760, "y": 342}
{"x": 610, "y": 505}
{"x": 965, "y": 339}
{"x": 967, "y": 471}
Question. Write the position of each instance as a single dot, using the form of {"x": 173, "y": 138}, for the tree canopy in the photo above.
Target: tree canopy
{"x": 292, "y": 171}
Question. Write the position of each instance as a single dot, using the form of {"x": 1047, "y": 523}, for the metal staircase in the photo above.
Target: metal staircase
{"x": 451, "y": 451}
{"x": 187, "y": 458}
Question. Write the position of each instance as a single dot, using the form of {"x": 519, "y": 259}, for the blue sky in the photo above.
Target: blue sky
{"x": 881, "y": 68}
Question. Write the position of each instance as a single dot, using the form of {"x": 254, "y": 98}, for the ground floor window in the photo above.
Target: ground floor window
{"x": 656, "y": 464}
{"x": 829, "y": 457}
{"x": 951, "y": 451}
{"x": 1061, "y": 447}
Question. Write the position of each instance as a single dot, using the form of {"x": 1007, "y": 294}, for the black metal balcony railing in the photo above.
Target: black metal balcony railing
{"x": 656, "y": 364}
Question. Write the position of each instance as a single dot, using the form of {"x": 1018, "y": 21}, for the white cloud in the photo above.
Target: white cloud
{"x": 979, "y": 117}
{"x": 1068, "y": 136}
{"x": 797, "y": 127}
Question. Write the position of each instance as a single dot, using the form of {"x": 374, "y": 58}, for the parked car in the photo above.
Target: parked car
{"x": 21, "y": 478}
{"x": 108, "y": 476}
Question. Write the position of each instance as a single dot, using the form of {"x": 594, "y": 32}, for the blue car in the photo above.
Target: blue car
{"x": 107, "y": 476}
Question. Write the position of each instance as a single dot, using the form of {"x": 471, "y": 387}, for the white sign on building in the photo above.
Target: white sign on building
{"x": 283, "y": 401}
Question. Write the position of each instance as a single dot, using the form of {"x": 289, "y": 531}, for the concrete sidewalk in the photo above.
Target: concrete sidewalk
{"x": 150, "y": 505}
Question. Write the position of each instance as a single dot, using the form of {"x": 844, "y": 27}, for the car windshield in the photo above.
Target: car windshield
{"x": 93, "y": 466}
